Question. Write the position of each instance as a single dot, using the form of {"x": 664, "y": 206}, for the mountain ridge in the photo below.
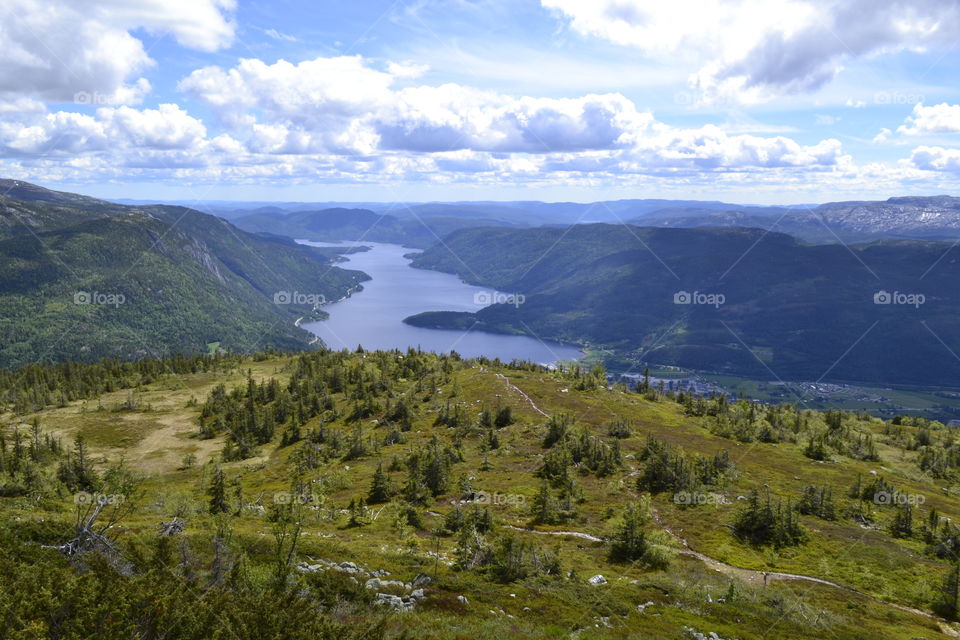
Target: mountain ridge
{"x": 168, "y": 279}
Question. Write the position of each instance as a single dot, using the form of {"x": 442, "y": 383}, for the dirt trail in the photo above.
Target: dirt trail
{"x": 523, "y": 395}
{"x": 750, "y": 576}
{"x": 573, "y": 534}
{"x": 756, "y": 578}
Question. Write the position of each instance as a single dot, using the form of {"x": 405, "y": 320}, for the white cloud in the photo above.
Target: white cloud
{"x": 936, "y": 159}
{"x": 753, "y": 50}
{"x": 344, "y": 106}
{"x": 343, "y": 120}
{"x": 305, "y": 107}
{"x": 66, "y": 50}
{"x": 406, "y": 69}
{"x": 936, "y": 119}
{"x": 710, "y": 149}
{"x": 167, "y": 127}
{"x": 277, "y": 35}
{"x": 111, "y": 129}
{"x": 883, "y": 136}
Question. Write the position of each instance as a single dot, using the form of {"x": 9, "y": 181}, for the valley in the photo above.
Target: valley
{"x": 479, "y": 320}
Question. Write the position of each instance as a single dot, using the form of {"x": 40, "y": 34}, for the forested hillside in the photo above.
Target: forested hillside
{"x": 84, "y": 279}
{"x": 379, "y": 494}
{"x": 742, "y": 301}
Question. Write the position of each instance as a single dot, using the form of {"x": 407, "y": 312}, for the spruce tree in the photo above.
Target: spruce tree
{"x": 630, "y": 543}
{"x": 545, "y": 510}
{"x": 218, "y": 493}
{"x": 380, "y": 489}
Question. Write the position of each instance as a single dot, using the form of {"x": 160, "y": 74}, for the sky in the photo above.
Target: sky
{"x": 749, "y": 101}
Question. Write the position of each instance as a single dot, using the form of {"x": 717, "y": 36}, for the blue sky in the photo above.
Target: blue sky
{"x": 772, "y": 101}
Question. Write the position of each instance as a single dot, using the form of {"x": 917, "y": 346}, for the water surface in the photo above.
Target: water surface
{"x": 374, "y": 317}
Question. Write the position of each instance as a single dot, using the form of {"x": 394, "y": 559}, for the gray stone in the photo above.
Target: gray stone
{"x": 422, "y": 580}
{"x": 394, "y": 602}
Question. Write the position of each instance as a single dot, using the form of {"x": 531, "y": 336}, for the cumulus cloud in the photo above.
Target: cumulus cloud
{"x": 346, "y": 118}
{"x": 936, "y": 159}
{"x": 111, "y": 129}
{"x": 83, "y": 50}
{"x": 343, "y": 105}
{"x": 709, "y": 148}
{"x": 752, "y": 50}
{"x": 936, "y": 119}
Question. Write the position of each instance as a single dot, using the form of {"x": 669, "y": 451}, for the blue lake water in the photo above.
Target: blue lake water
{"x": 374, "y": 317}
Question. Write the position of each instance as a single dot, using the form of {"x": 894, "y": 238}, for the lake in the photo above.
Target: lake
{"x": 374, "y": 317}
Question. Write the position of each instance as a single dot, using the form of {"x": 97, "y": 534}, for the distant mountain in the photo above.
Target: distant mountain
{"x": 533, "y": 213}
{"x": 340, "y": 224}
{"x": 914, "y": 217}
{"x": 788, "y": 309}
{"x": 519, "y": 213}
{"x": 83, "y": 278}
{"x": 934, "y": 217}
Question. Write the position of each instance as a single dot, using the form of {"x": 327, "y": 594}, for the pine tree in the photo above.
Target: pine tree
{"x": 380, "y": 489}
{"x": 630, "y": 543}
{"x": 504, "y": 417}
{"x": 454, "y": 520}
{"x": 218, "y": 493}
{"x": 902, "y": 525}
{"x": 545, "y": 509}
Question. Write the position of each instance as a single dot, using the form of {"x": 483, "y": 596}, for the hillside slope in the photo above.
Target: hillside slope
{"x": 778, "y": 305}
{"x": 519, "y": 501}
{"x": 84, "y": 279}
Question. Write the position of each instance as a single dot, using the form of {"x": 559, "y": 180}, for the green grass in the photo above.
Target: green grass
{"x": 162, "y": 430}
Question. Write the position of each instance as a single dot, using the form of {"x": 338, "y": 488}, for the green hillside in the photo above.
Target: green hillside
{"x": 769, "y": 306}
{"x": 387, "y": 495}
{"x": 85, "y": 279}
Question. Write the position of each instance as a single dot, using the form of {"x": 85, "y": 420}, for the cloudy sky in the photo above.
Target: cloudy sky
{"x": 779, "y": 101}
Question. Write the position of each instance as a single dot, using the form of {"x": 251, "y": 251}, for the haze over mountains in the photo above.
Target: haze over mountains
{"x": 419, "y": 224}
{"x": 790, "y": 309}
